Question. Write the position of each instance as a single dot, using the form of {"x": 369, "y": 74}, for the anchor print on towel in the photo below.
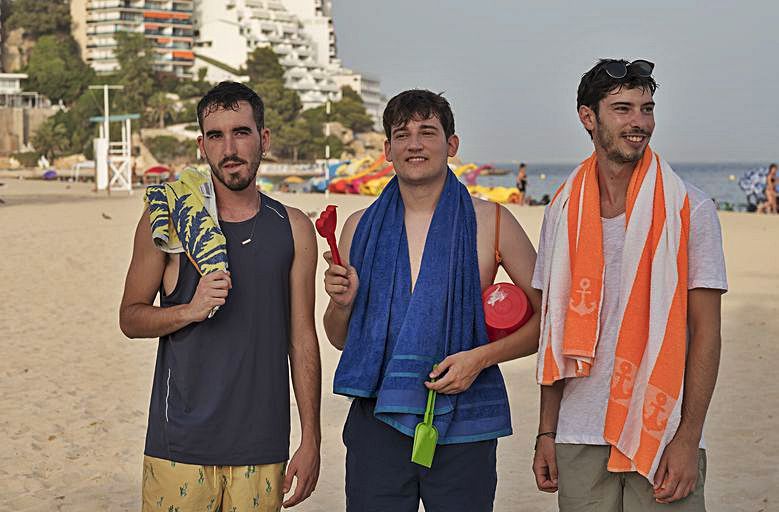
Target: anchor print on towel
{"x": 582, "y": 308}
{"x": 657, "y": 408}
{"x": 622, "y": 381}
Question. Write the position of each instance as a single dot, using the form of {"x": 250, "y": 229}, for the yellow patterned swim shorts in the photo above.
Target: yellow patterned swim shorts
{"x": 175, "y": 487}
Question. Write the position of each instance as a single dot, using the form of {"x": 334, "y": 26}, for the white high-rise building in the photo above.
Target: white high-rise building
{"x": 300, "y": 31}
{"x": 369, "y": 89}
{"x": 316, "y": 17}
{"x": 166, "y": 23}
{"x": 229, "y": 30}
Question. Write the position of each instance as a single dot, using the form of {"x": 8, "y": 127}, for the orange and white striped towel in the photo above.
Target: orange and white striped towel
{"x": 646, "y": 393}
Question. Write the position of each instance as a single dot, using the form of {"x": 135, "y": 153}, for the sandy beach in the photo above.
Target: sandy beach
{"x": 74, "y": 392}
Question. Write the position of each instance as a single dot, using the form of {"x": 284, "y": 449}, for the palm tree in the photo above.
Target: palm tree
{"x": 51, "y": 139}
{"x": 161, "y": 107}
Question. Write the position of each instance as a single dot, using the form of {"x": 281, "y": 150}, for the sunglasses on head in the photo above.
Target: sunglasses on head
{"x": 640, "y": 68}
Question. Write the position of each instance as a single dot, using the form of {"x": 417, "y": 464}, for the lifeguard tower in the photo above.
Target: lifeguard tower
{"x": 114, "y": 160}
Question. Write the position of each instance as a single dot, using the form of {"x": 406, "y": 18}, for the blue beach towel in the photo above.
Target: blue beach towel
{"x": 395, "y": 336}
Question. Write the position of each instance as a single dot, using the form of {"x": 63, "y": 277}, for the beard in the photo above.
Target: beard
{"x": 234, "y": 180}
{"x": 609, "y": 141}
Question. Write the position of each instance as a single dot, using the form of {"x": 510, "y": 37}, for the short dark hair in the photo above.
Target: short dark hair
{"x": 227, "y": 95}
{"x": 772, "y": 166}
{"x": 596, "y": 84}
{"x": 417, "y": 104}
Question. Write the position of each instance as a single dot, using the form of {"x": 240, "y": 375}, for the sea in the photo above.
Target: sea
{"x": 719, "y": 180}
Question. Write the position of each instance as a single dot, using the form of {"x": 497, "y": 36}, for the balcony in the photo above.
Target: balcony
{"x": 267, "y": 26}
{"x": 261, "y": 13}
{"x": 283, "y": 16}
{"x": 297, "y": 73}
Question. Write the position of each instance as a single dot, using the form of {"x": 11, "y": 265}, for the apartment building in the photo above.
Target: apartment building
{"x": 168, "y": 24}
{"x": 317, "y": 21}
{"x": 369, "y": 89}
{"x": 219, "y": 35}
{"x": 229, "y": 30}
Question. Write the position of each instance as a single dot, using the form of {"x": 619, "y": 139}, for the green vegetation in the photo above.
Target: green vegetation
{"x": 350, "y": 111}
{"x": 40, "y": 17}
{"x": 168, "y": 149}
{"x": 56, "y": 70}
{"x": 135, "y": 54}
{"x": 51, "y": 139}
{"x": 299, "y": 134}
{"x": 161, "y": 108}
{"x": 27, "y": 158}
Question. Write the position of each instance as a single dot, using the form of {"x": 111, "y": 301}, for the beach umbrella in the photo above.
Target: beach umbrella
{"x": 753, "y": 184}
{"x": 294, "y": 179}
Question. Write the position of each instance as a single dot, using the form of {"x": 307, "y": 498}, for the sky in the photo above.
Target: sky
{"x": 510, "y": 69}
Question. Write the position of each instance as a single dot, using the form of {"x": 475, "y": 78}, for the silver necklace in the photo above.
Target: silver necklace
{"x": 254, "y": 224}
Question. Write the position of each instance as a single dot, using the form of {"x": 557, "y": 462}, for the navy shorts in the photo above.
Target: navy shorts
{"x": 380, "y": 476}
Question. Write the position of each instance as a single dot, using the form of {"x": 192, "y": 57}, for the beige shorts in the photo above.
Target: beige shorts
{"x": 175, "y": 487}
{"x": 586, "y": 486}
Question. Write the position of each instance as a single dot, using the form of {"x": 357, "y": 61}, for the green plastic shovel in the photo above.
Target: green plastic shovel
{"x": 425, "y": 435}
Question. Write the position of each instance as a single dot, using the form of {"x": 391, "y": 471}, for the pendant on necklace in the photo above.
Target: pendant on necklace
{"x": 246, "y": 241}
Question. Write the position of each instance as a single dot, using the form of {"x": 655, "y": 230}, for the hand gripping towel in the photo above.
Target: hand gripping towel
{"x": 395, "y": 336}
{"x": 644, "y": 407}
{"x": 184, "y": 219}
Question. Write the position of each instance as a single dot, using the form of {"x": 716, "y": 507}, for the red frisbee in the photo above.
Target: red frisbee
{"x": 506, "y": 309}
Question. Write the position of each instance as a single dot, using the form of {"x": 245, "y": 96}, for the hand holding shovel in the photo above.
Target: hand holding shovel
{"x": 425, "y": 434}
{"x": 325, "y": 226}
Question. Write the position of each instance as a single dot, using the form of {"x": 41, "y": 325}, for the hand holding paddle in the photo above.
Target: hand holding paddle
{"x": 325, "y": 226}
{"x": 341, "y": 280}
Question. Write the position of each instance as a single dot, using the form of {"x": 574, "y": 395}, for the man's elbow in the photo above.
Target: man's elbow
{"x": 126, "y": 324}
{"x": 336, "y": 341}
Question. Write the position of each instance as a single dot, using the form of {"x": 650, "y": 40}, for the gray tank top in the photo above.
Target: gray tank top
{"x": 221, "y": 387}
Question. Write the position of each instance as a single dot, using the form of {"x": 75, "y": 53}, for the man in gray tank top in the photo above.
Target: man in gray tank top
{"x": 218, "y": 431}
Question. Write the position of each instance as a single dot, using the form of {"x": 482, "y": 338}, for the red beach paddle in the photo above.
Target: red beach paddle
{"x": 325, "y": 226}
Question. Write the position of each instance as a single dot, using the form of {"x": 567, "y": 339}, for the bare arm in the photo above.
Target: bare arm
{"x": 304, "y": 359}
{"x": 138, "y": 317}
{"x": 677, "y": 473}
{"x": 341, "y": 284}
{"x": 703, "y": 314}
{"x": 544, "y": 461}
{"x": 519, "y": 259}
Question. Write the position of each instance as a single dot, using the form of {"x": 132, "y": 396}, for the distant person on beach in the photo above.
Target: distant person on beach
{"x": 630, "y": 263}
{"x": 396, "y": 311}
{"x": 521, "y": 183}
{"x": 219, "y": 421}
{"x": 770, "y": 205}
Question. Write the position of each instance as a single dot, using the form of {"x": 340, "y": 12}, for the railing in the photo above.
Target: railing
{"x": 316, "y": 169}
